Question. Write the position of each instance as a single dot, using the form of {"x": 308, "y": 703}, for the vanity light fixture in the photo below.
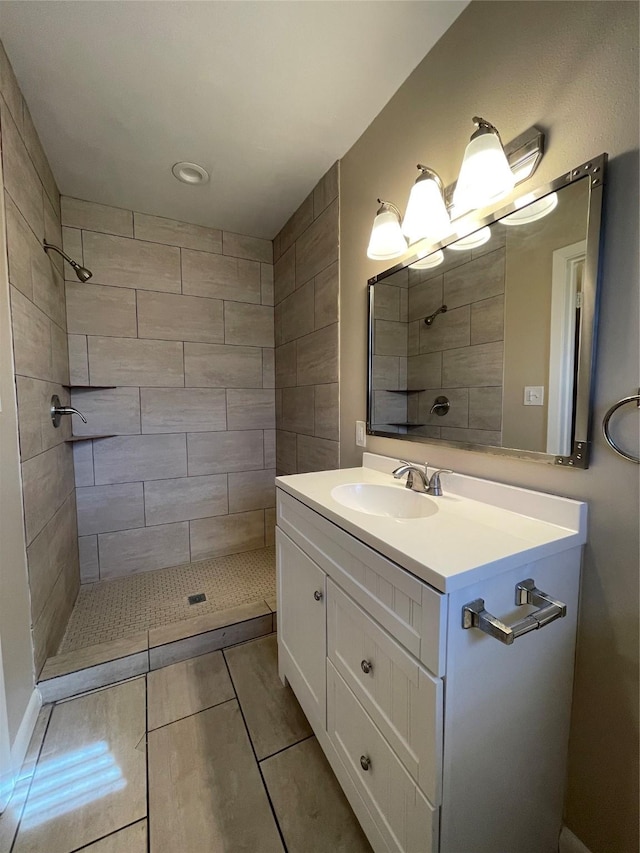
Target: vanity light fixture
{"x": 485, "y": 174}
{"x": 426, "y": 216}
{"x": 386, "y": 241}
{"x": 532, "y": 211}
{"x": 472, "y": 241}
{"x": 428, "y": 262}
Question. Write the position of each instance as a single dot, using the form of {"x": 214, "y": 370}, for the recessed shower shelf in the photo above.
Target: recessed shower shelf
{"x": 75, "y": 438}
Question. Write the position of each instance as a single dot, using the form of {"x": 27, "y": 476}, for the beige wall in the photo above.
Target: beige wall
{"x": 32, "y": 207}
{"x": 572, "y": 68}
{"x": 306, "y": 329}
{"x": 529, "y": 263}
{"x": 16, "y": 661}
{"x": 180, "y": 319}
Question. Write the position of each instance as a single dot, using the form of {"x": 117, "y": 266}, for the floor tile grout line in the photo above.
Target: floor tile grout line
{"x": 255, "y": 756}
{"x": 108, "y": 835}
{"x": 35, "y": 767}
{"x": 234, "y": 698}
{"x": 285, "y": 748}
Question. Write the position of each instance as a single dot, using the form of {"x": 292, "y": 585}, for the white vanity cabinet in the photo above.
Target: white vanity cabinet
{"x": 444, "y": 739}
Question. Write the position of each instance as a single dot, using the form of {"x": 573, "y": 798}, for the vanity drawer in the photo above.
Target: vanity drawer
{"x": 406, "y": 819}
{"x": 410, "y": 610}
{"x": 402, "y": 698}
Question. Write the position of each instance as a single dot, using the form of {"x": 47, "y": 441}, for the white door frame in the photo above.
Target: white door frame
{"x": 564, "y": 277}
{"x": 7, "y": 779}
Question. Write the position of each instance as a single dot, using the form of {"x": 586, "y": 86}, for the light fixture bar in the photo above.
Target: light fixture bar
{"x": 524, "y": 154}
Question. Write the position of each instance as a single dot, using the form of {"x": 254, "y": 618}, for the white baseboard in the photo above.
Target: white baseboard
{"x": 25, "y": 730}
{"x": 570, "y": 843}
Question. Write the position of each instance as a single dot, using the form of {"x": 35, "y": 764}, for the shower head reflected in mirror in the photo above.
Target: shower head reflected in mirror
{"x": 82, "y": 272}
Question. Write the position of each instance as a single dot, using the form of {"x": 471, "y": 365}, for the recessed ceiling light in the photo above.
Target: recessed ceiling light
{"x": 190, "y": 173}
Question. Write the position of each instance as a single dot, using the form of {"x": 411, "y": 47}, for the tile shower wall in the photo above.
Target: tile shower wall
{"x": 179, "y": 318}
{"x": 461, "y": 355}
{"x": 306, "y": 277}
{"x": 32, "y": 207}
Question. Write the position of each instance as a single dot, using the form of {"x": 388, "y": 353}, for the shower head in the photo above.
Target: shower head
{"x": 82, "y": 272}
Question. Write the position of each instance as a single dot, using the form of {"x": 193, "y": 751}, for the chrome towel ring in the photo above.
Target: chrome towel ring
{"x": 634, "y": 398}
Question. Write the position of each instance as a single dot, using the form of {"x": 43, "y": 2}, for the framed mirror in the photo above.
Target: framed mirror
{"x": 486, "y": 341}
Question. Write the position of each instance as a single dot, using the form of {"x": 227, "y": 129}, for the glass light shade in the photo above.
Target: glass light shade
{"x": 472, "y": 241}
{"x": 485, "y": 174}
{"x": 386, "y": 240}
{"x": 426, "y": 215}
{"x": 429, "y": 261}
{"x": 533, "y": 211}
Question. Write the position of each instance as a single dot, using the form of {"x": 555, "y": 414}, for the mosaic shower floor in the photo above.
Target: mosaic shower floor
{"x": 112, "y": 609}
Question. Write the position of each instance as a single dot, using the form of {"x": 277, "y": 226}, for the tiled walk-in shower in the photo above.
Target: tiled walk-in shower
{"x": 114, "y": 609}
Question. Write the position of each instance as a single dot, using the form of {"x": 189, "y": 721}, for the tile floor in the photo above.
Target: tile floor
{"x": 113, "y": 609}
{"x": 210, "y": 755}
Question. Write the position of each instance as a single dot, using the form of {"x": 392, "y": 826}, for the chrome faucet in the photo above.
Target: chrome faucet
{"x": 57, "y": 410}
{"x": 421, "y": 483}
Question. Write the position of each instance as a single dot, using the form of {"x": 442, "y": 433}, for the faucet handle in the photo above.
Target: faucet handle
{"x": 435, "y": 487}
{"x": 442, "y": 471}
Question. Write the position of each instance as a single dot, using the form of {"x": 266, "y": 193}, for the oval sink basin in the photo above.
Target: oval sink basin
{"x": 389, "y": 501}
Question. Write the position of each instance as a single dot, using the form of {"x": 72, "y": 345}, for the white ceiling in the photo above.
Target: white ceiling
{"x": 265, "y": 95}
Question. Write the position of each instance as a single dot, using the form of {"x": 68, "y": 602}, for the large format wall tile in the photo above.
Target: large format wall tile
{"x": 183, "y": 409}
{"x": 36, "y": 429}
{"x": 479, "y": 279}
{"x": 266, "y": 284}
{"x": 219, "y": 452}
{"x": 286, "y": 368}
{"x": 42, "y": 488}
{"x": 317, "y": 454}
{"x": 473, "y": 366}
{"x": 251, "y": 409}
{"x": 284, "y": 275}
{"x": 286, "y": 452}
{"x": 252, "y": 490}
{"x": 227, "y": 534}
{"x": 251, "y": 248}
{"x": 49, "y": 553}
{"x": 89, "y": 563}
{"x": 448, "y": 331}
{"x": 96, "y": 217}
{"x": 108, "y": 411}
{"x": 298, "y": 409}
{"x": 20, "y": 177}
{"x": 248, "y": 324}
{"x": 31, "y": 338}
{"x": 128, "y": 361}
{"x": 134, "y": 458}
{"x": 220, "y": 277}
{"x": 296, "y": 225}
{"x": 318, "y": 356}
{"x": 142, "y": 550}
{"x": 78, "y": 359}
{"x": 487, "y": 320}
{"x": 485, "y": 408}
{"x": 102, "y": 509}
{"x": 185, "y": 498}
{"x": 166, "y": 316}
{"x": 326, "y": 292}
{"x": 317, "y": 247}
{"x": 122, "y": 262}
{"x": 93, "y": 309}
{"x": 297, "y": 314}
{"x": 327, "y": 411}
{"x": 21, "y": 248}
{"x": 157, "y": 229}
{"x": 220, "y": 366}
{"x": 326, "y": 190}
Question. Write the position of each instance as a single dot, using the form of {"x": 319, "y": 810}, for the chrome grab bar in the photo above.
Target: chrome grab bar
{"x": 605, "y": 426}
{"x": 474, "y": 614}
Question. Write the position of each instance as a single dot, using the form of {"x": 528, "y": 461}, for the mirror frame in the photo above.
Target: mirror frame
{"x": 594, "y": 172}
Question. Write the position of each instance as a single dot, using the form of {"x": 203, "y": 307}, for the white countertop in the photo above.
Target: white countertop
{"x": 467, "y": 540}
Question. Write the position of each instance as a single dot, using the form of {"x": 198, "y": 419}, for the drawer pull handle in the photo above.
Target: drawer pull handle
{"x": 365, "y": 762}
{"x": 317, "y": 595}
{"x": 474, "y": 614}
{"x": 366, "y": 666}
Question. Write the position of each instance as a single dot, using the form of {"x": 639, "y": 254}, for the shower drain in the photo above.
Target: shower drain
{"x": 197, "y": 598}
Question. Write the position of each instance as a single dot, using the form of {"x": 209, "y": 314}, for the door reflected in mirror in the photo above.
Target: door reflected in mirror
{"x": 479, "y": 341}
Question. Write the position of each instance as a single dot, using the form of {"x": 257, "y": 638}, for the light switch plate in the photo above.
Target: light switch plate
{"x": 361, "y": 434}
{"x": 534, "y": 395}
